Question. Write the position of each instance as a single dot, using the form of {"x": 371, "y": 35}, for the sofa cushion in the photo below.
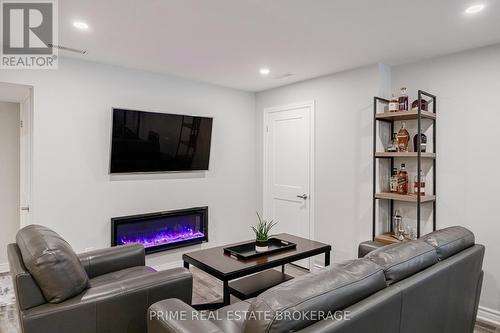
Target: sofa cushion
{"x": 403, "y": 259}
{"x": 297, "y": 303}
{"x": 449, "y": 241}
{"x": 52, "y": 263}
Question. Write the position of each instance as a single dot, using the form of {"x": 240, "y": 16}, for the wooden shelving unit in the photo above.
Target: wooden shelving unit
{"x": 384, "y": 236}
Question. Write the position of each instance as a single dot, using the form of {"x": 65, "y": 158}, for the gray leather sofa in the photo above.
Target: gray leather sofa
{"x": 108, "y": 290}
{"x": 431, "y": 285}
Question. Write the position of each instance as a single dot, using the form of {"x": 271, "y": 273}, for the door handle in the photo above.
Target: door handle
{"x": 26, "y": 208}
{"x": 303, "y": 196}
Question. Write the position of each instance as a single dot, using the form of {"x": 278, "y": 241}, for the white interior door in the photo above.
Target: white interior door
{"x": 288, "y": 169}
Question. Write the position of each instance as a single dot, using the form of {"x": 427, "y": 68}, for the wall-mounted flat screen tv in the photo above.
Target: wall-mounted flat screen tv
{"x": 159, "y": 142}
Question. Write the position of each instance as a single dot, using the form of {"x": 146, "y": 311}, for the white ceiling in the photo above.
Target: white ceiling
{"x": 226, "y": 41}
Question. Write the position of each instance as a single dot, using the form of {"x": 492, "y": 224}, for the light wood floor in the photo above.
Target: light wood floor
{"x": 205, "y": 289}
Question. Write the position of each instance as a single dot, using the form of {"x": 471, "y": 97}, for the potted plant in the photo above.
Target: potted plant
{"x": 262, "y": 233}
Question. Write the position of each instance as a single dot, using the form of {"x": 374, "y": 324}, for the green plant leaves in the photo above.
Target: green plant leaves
{"x": 263, "y": 228}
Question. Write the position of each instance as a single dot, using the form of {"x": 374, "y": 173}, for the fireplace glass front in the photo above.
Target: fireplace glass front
{"x": 162, "y": 231}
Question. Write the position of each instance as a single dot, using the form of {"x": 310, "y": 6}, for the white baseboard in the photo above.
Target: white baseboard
{"x": 174, "y": 264}
{"x": 488, "y": 315}
{"x": 4, "y": 268}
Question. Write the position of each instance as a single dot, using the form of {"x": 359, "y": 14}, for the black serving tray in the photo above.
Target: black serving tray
{"x": 247, "y": 250}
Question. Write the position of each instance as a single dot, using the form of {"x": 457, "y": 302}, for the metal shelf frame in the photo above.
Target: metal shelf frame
{"x": 390, "y": 120}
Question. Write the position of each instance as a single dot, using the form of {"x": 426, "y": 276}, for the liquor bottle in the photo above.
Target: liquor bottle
{"x": 393, "y": 146}
{"x": 424, "y": 105}
{"x": 398, "y": 226}
{"x": 393, "y": 183}
{"x": 403, "y": 138}
{"x": 422, "y": 184}
{"x": 403, "y": 100}
{"x": 393, "y": 104}
{"x": 403, "y": 180}
{"x": 423, "y": 142}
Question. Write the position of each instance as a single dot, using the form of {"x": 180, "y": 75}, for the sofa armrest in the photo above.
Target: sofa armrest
{"x": 175, "y": 316}
{"x": 113, "y": 259}
{"x": 28, "y": 295}
{"x": 111, "y": 305}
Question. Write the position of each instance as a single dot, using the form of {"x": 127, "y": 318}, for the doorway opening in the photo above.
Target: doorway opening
{"x": 16, "y": 105}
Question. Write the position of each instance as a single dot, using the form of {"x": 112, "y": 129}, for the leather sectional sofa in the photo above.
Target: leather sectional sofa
{"x": 107, "y": 290}
{"x": 431, "y": 285}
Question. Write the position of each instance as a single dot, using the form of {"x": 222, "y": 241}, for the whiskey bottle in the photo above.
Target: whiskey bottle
{"x": 403, "y": 138}
{"x": 423, "y": 142}
{"x": 393, "y": 104}
{"x": 403, "y": 180}
{"x": 393, "y": 146}
{"x": 393, "y": 183}
{"x": 422, "y": 184}
{"x": 403, "y": 100}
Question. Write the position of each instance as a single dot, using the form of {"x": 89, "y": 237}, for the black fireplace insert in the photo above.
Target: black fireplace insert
{"x": 162, "y": 231}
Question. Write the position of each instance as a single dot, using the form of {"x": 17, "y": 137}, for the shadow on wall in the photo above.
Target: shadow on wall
{"x": 158, "y": 176}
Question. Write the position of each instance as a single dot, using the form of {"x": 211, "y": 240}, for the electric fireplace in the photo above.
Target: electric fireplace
{"x": 162, "y": 231}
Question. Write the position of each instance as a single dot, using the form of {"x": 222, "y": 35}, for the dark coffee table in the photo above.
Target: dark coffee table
{"x": 226, "y": 268}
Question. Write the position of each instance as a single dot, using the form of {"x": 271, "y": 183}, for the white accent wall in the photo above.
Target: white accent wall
{"x": 9, "y": 176}
{"x": 468, "y": 89}
{"x": 72, "y": 190}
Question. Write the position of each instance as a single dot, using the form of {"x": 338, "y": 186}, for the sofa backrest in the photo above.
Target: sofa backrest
{"x": 52, "y": 262}
{"x": 299, "y": 302}
{"x": 449, "y": 241}
{"x": 403, "y": 259}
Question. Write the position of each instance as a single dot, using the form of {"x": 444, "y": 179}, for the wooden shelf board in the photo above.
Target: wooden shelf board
{"x": 409, "y": 154}
{"x": 404, "y": 197}
{"x": 404, "y": 115}
{"x": 387, "y": 238}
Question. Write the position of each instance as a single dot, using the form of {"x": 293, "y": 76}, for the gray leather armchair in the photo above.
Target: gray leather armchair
{"x": 118, "y": 288}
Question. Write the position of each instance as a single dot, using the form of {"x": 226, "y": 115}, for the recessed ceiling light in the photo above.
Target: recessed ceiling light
{"x": 474, "y": 9}
{"x": 80, "y": 25}
{"x": 264, "y": 71}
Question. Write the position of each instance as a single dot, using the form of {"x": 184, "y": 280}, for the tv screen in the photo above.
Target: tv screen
{"x": 159, "y": 142}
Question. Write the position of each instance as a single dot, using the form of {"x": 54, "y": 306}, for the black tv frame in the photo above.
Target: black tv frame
{"x": 155, "y": 172}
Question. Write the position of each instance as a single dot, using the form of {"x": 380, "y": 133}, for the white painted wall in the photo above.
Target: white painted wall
{"x": 9, "y": 176}
{"x": 467, "y": 85}
{"x": 344, "y": 116}
{"x": 72, "y": 191}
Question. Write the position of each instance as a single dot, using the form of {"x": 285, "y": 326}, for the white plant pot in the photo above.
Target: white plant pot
{"x": 261, "y": 248}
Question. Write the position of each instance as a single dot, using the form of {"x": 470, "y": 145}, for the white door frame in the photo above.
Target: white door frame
{"x": 312, "y": 132}
{"x": 26, "y": 162}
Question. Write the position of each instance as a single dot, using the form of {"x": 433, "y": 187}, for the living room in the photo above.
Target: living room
{"x": 288, "y": 112}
